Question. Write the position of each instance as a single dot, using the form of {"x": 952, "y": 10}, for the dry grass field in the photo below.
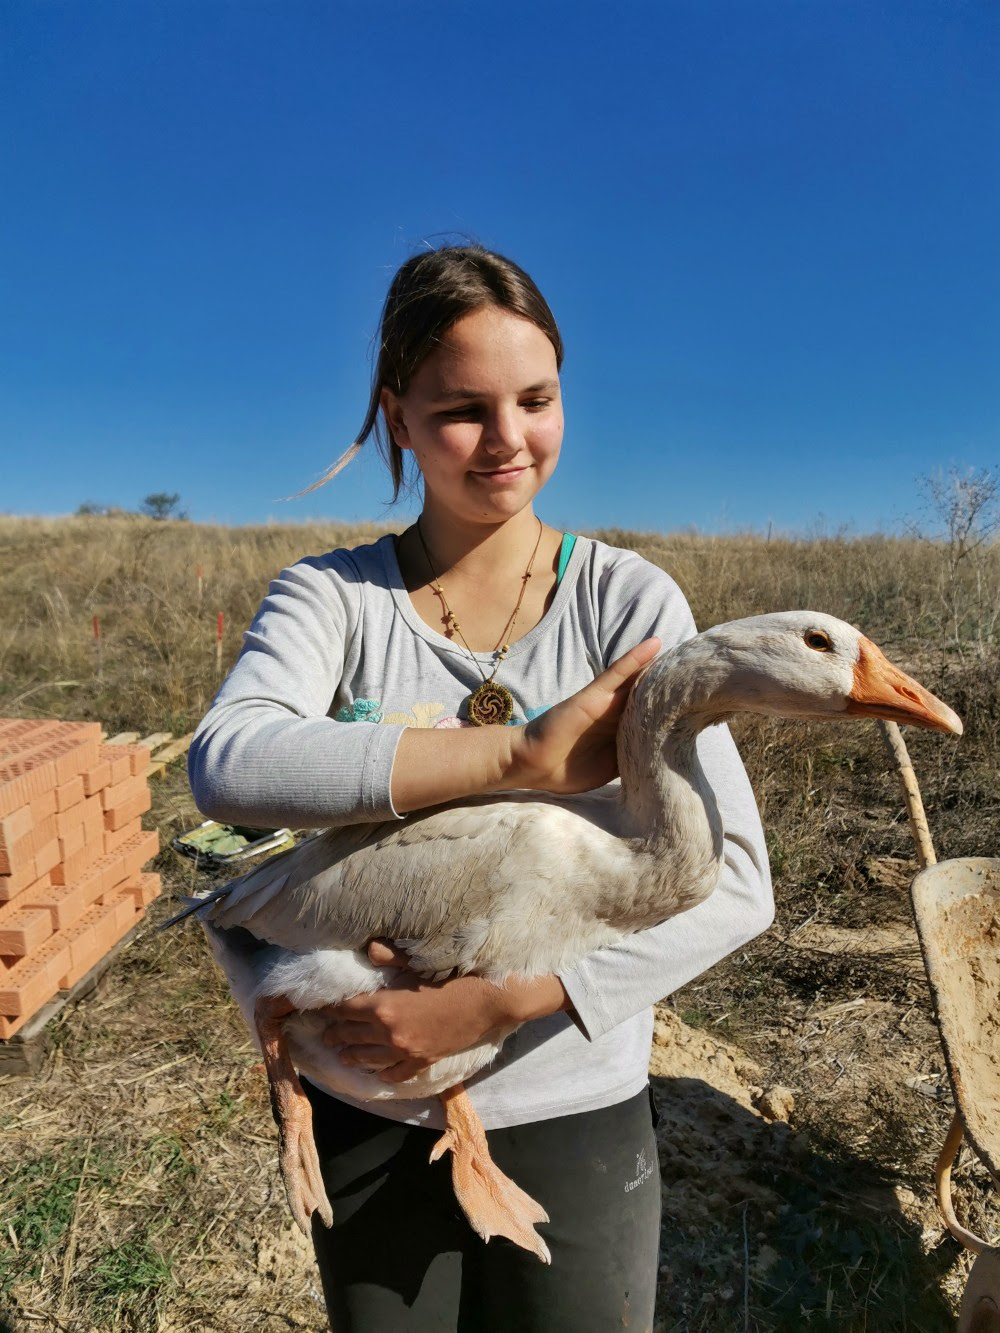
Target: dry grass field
{"x": 801, "y": 1083}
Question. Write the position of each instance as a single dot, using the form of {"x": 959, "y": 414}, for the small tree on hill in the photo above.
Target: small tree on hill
{"x": 964, "y": 512}
{"x": 161, "y": 505}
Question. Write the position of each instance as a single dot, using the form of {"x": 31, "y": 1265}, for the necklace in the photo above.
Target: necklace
{"x": 490, "y": 704}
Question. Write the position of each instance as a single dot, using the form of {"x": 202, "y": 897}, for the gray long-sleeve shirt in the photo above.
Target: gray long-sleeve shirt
{"x": 304, "y": 731}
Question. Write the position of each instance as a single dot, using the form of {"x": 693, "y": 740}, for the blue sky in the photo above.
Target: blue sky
{"x": 768, "y": 229}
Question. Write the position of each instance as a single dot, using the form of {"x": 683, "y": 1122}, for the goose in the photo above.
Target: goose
{"x": 522, "y": 884}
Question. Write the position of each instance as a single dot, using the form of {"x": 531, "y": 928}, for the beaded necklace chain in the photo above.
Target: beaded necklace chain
{"x": 491, "y": 704}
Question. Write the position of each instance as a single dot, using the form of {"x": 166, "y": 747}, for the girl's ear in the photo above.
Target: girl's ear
{"x": 392, "y": 410}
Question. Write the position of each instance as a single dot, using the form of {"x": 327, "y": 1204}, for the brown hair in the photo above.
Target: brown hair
{"x": 430, "y": 293}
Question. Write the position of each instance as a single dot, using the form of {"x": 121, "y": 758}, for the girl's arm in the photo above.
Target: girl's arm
{"x": 267, "y": 753}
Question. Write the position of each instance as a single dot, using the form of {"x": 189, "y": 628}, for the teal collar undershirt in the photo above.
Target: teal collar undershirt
{"x": 565, "y": 551}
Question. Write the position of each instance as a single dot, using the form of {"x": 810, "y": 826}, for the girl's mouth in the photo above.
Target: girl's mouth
{"x": 501, "y": 474}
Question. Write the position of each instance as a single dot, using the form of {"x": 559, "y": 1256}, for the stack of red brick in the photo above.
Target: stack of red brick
{"x": 72, "y": 848}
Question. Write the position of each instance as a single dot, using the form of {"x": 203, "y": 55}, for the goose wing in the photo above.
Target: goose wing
{"x": 439, "y": 882}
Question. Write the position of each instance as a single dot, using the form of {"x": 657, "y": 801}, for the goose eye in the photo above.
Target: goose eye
{"x": 815, "y": 638}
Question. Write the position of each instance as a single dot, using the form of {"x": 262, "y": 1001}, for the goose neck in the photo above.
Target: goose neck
{"x": 663, "y": 786}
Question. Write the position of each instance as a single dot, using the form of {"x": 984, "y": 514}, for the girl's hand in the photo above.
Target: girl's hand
{"x": 572, "y": 747}
{"x": 404, "y": 1029}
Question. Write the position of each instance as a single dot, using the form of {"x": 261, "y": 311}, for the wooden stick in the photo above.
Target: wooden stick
{"x": 201, "y": 585}
{"x": 69, "y": 1257}
{"x": 894, "y": 743}
{"x": 98, "y": 648}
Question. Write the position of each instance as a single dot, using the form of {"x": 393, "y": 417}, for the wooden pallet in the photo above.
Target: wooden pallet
{"x": 24, "y": 1052}
{"x": 162, "y": 743}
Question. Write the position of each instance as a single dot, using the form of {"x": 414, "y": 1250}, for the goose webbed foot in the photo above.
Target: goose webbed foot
{"x": 493, "y": 1204}
{"x": 298, "y": 1160}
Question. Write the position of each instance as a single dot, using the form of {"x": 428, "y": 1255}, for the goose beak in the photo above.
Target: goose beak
{"x": 882, "y": 690}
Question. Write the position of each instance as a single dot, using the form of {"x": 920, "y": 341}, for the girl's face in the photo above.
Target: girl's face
{"x": 483, "y": 416}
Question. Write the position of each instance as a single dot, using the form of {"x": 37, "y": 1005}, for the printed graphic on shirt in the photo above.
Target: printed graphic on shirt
{"x": 361, "y": 710}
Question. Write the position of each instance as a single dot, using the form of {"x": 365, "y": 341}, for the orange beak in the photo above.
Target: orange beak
{"x": 882, "y": 690}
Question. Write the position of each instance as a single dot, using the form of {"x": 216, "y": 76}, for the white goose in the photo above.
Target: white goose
{"x": 450, "y": 884}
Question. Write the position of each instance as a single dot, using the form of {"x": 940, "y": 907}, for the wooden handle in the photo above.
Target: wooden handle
{"x": 896, "y": 746}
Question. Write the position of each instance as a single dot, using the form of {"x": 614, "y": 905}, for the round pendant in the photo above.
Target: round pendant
{"x": 491, "y": 705}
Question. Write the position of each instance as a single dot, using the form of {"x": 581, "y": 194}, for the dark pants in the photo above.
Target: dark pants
{"x": 401, "y": 1258}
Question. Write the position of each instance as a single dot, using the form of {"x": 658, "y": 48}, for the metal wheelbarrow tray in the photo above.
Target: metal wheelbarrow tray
{"x": 956, "y": 905}
{"x": 957, "y": 908}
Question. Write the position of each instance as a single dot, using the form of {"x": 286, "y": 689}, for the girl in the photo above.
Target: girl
{"x": 366, "y": 689}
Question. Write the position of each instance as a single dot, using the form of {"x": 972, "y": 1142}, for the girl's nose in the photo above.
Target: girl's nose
{"x": 502, "y": 433}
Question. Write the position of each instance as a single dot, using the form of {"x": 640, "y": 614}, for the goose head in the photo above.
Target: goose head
{"x": 796, "y": 664}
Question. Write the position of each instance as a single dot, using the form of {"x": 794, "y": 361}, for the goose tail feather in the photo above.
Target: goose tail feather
{"x": 193, "y": 905}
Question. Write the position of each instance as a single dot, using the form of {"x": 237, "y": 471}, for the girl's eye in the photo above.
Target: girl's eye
{"x": 536, "y": 404}
{"x": 460, "y": 414}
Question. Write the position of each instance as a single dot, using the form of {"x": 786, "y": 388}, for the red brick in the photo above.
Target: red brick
{"x": 96, "y": 778}
{"x": 8, "y": 1026}
{"x": 67, "y": 820}
{"x": 70, "y": 793}
{"x": 14, "y": 826}
{"x": 84, "y": 943}
{"x": 16, "y": 789}
{"x": 129, "y": 811}
{"x": 101, "y": 877}
{"x": 93, "y": 820}
{"x": 21, "y": 852}
{"x": 140, "y": 848}
{"x": 124, "y": 911}
{"x": 35, "y": 771}
{"x": 71, "y": 842}
{"x": 12, "y": 728}
{"x": 65, "y": 903}
{"x": 151, "y": 886}
{"x": 104, "y": 928}
{"x": 20, "y": 899}
{"x": 20, "y": 734}
{"x": 58, "y": 759}
{"x": 121, "y": 765}
{"x": 22, "y": 930}
{"x": 12, "y": 884}
{"x": 114, "y": 842}
{"x": 26, "y": 995}
{"x": 95, "y": 934}
{"x": 138, "y": 756}
{"x": 47, "y": 858}
{"x": 70, "y": 869}
{"x": 26, "y": 986}
{"x": 44, "y": 805}
{"x": 120, "y": 793}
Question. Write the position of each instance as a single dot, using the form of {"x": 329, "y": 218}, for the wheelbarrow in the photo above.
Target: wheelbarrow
{"x": 957, "y": 909}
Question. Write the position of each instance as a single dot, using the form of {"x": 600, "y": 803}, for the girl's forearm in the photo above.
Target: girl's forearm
{"x": 432, "y": 767}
